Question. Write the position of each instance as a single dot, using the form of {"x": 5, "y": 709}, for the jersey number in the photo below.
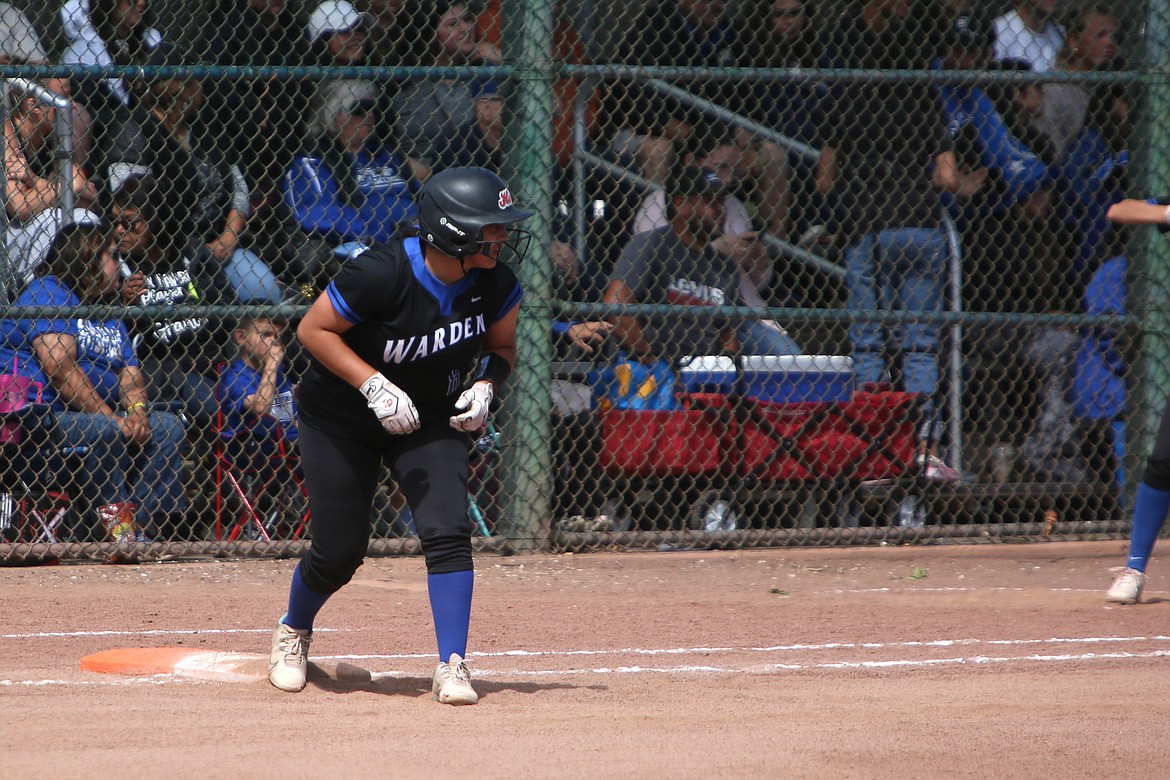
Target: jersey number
{"x": 454, "y": 380}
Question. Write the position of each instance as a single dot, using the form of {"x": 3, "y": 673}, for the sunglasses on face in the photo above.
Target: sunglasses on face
{"x": 128, "y": 223}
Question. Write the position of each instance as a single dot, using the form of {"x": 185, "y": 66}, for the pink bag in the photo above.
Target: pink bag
{"x": 14, "y": 397}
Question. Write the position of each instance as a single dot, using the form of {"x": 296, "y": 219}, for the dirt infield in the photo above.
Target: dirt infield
{"x": 956, "y": 661}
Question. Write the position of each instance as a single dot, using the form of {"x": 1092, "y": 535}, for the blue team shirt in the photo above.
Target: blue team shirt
{"x": 104, "y": 347}
{"x": 236, "y": 383}
{"x": 312, "y": 192}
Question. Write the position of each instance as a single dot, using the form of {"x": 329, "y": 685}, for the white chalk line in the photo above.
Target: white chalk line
{"x": 161, "y": 679}
{"x": 158, "y": 632}
{"x": 112, "y": 682}
{"x": 980, "y": 660}
{"x": 746, "y": 649}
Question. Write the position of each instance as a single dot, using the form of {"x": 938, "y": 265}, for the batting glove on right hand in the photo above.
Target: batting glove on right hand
{"x": 394, "y": 408}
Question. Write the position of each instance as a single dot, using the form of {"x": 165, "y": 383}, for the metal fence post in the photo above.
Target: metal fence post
{"x": 527, "y": 472}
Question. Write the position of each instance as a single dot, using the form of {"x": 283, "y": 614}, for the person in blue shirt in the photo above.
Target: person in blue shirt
{"x": 1099, "y": 382}
{"x": 255, "y": 396}
{"x": 350, "y": 186}
{"x": 1095, "y": 169}
{"x": 1153, "y": 496}
{"x": 93, "y": 382}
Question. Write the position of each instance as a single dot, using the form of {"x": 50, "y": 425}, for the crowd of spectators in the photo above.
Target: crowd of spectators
{"x": 242, "y": 190}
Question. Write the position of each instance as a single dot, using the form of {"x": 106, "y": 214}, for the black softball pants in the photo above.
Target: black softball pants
{"x": 341, "y": 474}
{"x": 1157, "y": 472}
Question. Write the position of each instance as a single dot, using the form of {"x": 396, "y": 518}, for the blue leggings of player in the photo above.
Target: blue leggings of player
{"x": 341, "y": 474}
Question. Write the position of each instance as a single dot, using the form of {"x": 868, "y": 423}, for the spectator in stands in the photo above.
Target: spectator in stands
{"x": 1092, "y": 44}
{"x": 652, "y": 129}
{"x": 717, "y": 152}
{"x": 386, "y": 43}
{"x": 19, "y": 42}
{"x": 255, "y": 396}
{"x": 643, "y": 124}
{"x": 1095, "y": 179}
{"x": 1095, "y": 170}
{"x": 676, "y": 264}
{"x": 784, "y": 34}
{"x": 1013, "y": 250}
{"x": 432, "y": 110}
{"x": 93, "y": 382}
{"x": 1102, "y": 368}
{"x": 387, "y": 46}
{"x": 887, "y": 155}
{"x": 261, "y": 117}
{"x": 348, "y": 185}
{"x": 104, "y": 33}
{"x": 338, "y": 34}
{"x": 32, "y": 187}
{"x": 1018, "y": 104}
{"x": 1029, "y": 32}
{"x": 178, "y": 354}
{"x": 569, "y": 49}
{"x": 203, "y": 199}
{"x": 480, "y": 142}
{"x": 983, "y": 139}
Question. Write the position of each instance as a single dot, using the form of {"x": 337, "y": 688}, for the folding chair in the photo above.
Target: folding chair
{"x": 38, "y": 476}
{"x": 259, "y": 491}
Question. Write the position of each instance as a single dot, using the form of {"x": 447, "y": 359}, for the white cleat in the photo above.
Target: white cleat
{"x": 1127, "y": 588}
{"x": 452, "y": 683}
{"x": 288, "y": 663}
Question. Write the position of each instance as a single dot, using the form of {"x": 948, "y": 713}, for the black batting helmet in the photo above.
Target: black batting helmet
{"x": 454, "y": 206}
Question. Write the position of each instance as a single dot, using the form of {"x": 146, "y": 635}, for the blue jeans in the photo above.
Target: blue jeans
{"x": 756, "y": 338}
{"x": 898, "y": 269}
{"x": 151, "y": 475}
{"x": 251, "y": 278}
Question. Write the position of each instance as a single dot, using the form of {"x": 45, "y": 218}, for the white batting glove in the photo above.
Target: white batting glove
{"x": 394, "y": 408}
{"x": 474, "y": 402}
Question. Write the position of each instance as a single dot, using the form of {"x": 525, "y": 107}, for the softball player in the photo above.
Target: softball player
{"x": 1153, "y": 496}
{"x": 409, "y": 344}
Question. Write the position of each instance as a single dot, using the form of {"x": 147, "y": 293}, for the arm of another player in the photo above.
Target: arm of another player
{"x": 628, "y": 329}
{"x": 1132, "y": 211}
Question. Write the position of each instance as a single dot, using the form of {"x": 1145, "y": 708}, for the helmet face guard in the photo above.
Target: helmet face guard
{"x": 511, "y": 249}
{"x": 455, "y": 206}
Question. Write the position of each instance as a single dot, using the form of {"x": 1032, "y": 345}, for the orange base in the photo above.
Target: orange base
{"x": 137, "y": 660}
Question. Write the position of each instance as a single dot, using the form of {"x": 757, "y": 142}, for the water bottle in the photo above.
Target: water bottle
{"x": 1003, "y": 461}
{"x": 719, "y": 517}
{"x": 911, "y": 512}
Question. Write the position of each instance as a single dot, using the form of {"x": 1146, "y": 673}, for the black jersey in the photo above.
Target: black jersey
{"x": 423, "y": 335}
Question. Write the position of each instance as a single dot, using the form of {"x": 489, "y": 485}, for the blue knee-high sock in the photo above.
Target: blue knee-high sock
{"x": 451, "y": 609}
{"x": 303, "y": 603}
{"x": 1149, "y": 514}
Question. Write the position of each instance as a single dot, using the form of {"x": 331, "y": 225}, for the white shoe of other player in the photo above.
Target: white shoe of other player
{"x": 1127, "y": 588}
{"x": 452, "y": 683}
{"x": 288, "y": 663}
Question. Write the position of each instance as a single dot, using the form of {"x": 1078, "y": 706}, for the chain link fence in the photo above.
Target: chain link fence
{"x": 805, "y": 273}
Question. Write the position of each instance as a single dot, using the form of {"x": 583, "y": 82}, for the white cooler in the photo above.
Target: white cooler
{"x": 776, "y": 378}
{"x": 796, "y": 378}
